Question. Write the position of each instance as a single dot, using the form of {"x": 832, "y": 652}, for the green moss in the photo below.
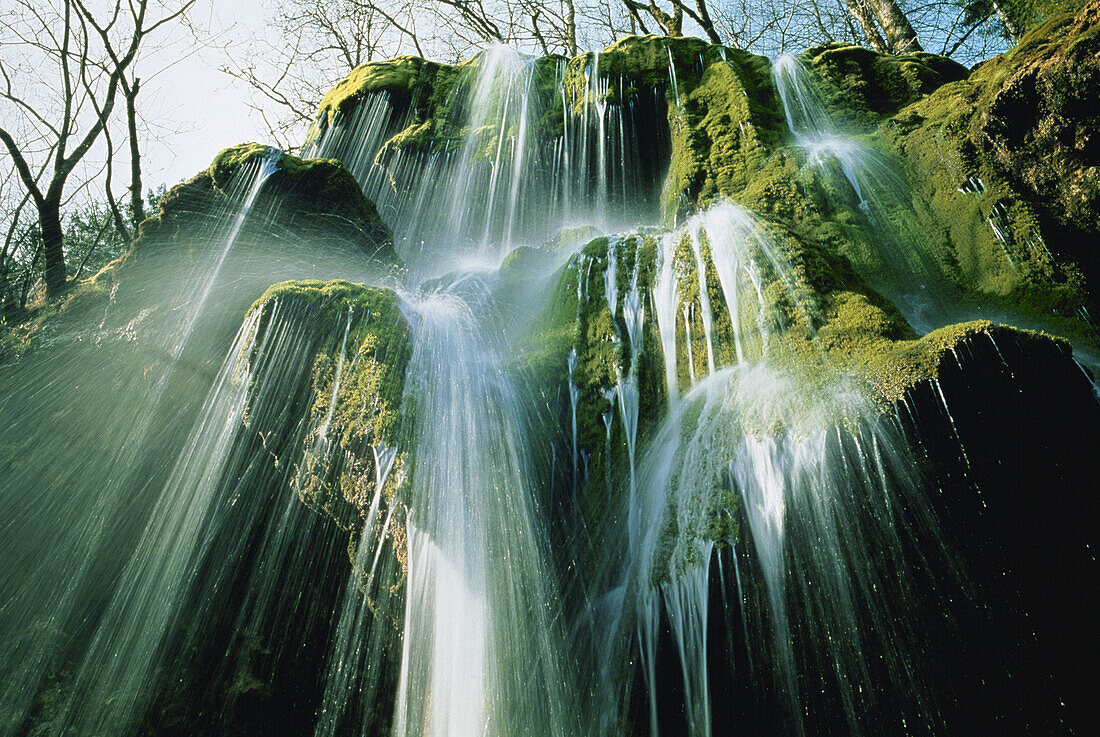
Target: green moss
{"x": 894, "y": 369}
{"x": 996, "y": 127}
{"x": 80, "y": 308}
{"x": 1038, "y": 127}
{"x": 722, "y": 129}
{"x": 861, "y": 86}
{"x": 14, "y": 339}
{"x": 721, "y": 106}
{"x": 362, "y": 336}
{"x": 642, "y": 62}
{"x": 405, "y": 78}
{"x": 228, "y": 161}
{"x": 786, "y": 192}
{"x": 864, "y": 340}
{"x": 318, "y": 187}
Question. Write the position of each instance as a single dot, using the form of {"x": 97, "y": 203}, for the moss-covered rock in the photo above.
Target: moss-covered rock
{"x": 579, "y": 346}
{"x": 314, "y": 196}
{"x": 723, "y": 124}
{"x": 316, "y": 191}
{"x": 1004, "y": 175}
{"x": 891, "y": 368}
{"x": 815, "y": 322}
{"x": 789, "y": 193}
{"x": 1004, "y": 433}
{"x": 399, "y": 76}
{"x": 719, "y": 103}
{"x": 1039, "y": 126}
{"x": 861, "y": 86}
{"x": 645, "y": 60}
{"x": 361, "y": 349}
{"x": 300, "y": 200}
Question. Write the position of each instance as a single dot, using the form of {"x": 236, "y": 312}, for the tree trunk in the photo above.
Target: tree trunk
{"x": 49, "y": 218}
{"x": 900, "y": 36}
{"x": 706, "y": 23}
{"x": 571, "y": 27}
{"x": 860, "y": 11}
{"x": 1007, "y": 20}
{"x": 137, "y": 204}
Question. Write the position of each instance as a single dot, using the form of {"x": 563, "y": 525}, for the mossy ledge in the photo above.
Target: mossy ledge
{"x": 317, "y": 195}
{"x": 320, "y": 192}
{"x": 861, "y": 86}
{"x": 719, "y": 103}
{"x": 828, "y": 332}
{"x": 892, "y": 369}
{"x": 305, "y": 198}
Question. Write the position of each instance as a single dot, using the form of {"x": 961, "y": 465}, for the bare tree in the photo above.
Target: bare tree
{"x": 317, "y": 42}
{"x": 671, "y": 21}
{"x": 899, "y": 33}
{"x": 313, "y": 44}
{"x": 861, "y": 11}
{"x": 552, "y": 25}
{"x": 14, "y": 200}
{"x": 57, "y": 121}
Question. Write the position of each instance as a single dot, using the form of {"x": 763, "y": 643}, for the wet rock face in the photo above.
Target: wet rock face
{"x": 341, "y": 444}
{"x": 308, "y": 197}
{"x": 1005, "y": 168}
{"x": 1012, "y": 486}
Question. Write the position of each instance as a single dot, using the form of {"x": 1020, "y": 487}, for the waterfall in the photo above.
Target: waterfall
{"x": 729, "y": 240}
{"x": 54, "y": 582}
{"x": 802, "y": 106}
{"x": 666, "y": 298}
{"x": 808, "y": 498}
{"x": 477, "y": 658}
{"x": 131, "y": 638}
{"x": 484, "y": 496}
{"x": 264, "y": 167}
{"x": 864, "y": 179}
{"x": 507, "y": 182}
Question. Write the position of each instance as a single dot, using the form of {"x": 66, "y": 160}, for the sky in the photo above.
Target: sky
{"x": 202, "y": 109}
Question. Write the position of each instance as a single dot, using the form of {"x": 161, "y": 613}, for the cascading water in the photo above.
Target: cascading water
{"x": 532, "y": 476}
{"x": 528, "y": 163}
{"x": 810, "y": 499}
{"x": 813, "y": 472}
{"x": 131, "y": 396}
{"x": 137, "y": 629}
{"x": 56, "y": 575}
{"x": 477, "y": 657}
{"x": 864, "y": 179}
{"x": 461, "y": 664}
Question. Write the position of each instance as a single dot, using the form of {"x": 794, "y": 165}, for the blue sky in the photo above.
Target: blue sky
{"x": 203, "y": 110}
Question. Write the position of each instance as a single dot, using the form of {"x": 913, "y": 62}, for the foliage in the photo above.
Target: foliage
{"x": 51, "y": 124}
{"x": 91, "y": 242}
